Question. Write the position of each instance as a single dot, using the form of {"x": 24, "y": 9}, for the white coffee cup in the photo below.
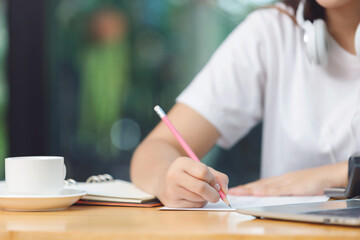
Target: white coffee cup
{"x": 35, "y": 175}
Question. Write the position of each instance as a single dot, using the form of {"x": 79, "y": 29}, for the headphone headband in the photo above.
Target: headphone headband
{"x": 357, "y": 41}
{"x": 315, "y": 36}
{"x": 300, "y": 13}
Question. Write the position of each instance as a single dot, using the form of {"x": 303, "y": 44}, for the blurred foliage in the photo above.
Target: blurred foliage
{"x": 102, "y": 94}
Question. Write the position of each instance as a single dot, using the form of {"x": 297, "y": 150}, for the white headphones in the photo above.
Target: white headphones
{"x": 315, "y": 37}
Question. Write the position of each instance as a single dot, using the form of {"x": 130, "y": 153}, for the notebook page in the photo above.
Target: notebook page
{"x": 248, "y": 201}
{"x": 115, "y": 189}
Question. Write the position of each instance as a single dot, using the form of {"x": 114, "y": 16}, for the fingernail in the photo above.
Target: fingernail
{"x": 217, "y": 187}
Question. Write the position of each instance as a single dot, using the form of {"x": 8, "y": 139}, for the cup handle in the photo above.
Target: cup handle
{"x": 64, "y": 171}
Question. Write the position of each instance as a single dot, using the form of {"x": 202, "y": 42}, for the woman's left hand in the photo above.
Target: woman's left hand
{"x": 310, "y": 181}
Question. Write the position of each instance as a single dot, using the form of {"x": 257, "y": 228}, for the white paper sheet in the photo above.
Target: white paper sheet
{"x": 244, "y": 202}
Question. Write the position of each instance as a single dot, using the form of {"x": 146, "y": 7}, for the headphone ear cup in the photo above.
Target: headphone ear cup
{"x": 310, "y": 41}
{"x": 320, "y": 33}
{"x": 357, "y": 41}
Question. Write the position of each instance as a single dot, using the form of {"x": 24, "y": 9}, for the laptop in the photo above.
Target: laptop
{"x": 338, "y": 212}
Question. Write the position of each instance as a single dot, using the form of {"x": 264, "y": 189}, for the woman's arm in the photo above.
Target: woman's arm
{"x": 160, "y": 168}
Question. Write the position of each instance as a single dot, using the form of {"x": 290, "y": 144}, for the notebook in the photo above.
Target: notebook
{"x": 104, "y": 190}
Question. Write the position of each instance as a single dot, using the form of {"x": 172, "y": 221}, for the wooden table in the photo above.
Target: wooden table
{"x": 90, "y": 222}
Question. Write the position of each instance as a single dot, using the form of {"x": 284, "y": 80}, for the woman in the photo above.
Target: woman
{"x": 272, "y": 68}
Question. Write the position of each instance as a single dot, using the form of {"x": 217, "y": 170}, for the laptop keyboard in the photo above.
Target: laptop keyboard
{"x": 345, "y": 212}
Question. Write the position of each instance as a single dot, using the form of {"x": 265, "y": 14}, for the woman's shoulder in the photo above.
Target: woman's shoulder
{"x": 271, "y": 29}
{"x": 278, "y": 11}
{"x": 278, "y": 17}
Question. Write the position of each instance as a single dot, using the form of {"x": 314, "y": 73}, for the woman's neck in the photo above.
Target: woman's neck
{"x": 342, "y": 23}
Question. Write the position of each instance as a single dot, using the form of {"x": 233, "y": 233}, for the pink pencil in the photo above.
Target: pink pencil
{"x": 182, "y": 142}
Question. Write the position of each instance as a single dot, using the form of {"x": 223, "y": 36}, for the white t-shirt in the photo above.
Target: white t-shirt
{"x": 261, "y": 73}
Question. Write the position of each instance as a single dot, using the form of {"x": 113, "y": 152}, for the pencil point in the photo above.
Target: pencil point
{"x": 224, "y": 198}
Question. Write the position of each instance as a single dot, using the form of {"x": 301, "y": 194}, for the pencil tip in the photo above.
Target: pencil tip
{"x": 230, "y": 205}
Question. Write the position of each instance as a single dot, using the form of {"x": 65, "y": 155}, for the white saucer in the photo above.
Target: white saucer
{"x": 35, "y": 203}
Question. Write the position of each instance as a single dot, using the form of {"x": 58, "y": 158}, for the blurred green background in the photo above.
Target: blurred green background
{"x": 107, "y": 63}
{"x": 3, "y": 88}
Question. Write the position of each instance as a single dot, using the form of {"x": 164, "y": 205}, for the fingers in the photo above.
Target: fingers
{"x": 274, "y": 186}
{"x": 199, "y": 171}
{"x": 259, "y": 191}
{"x": 271, "y": 191}
{"x": 200, "y": 187}
{"x": 191, "y": 181}
{"x": 298, "y": 183}
{"x": 219, "y": 181}
{"x": 189, "y": 196}
{"x": 222, "y": 179}
{"x": 240, "y": 191}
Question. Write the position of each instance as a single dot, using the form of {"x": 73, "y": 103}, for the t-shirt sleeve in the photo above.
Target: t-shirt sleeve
{"x": 229, "y": 90}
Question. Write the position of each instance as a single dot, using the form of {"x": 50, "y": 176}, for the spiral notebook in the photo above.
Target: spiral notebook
{"x": 104, "y": 190}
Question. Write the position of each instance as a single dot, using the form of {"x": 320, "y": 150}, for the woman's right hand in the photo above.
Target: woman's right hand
{"x": 188, "y": 183}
